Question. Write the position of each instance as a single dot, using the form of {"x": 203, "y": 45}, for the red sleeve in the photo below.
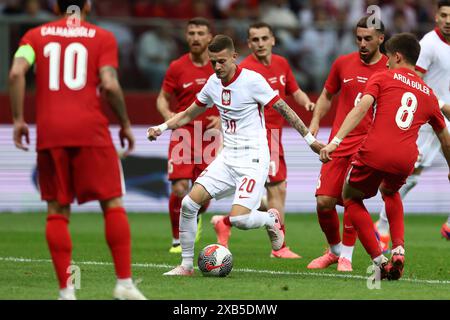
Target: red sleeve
{"x": 373, "y": 86}
{"x": 109, "y": 54}
{"x": 272, "y": 102}
{"x": 437, "y": 119}
{"x": 333, "y": 83}
{"x": 28, "y": 39}
{"x": 291, "y": 82}
{"x": 170, "y": 80}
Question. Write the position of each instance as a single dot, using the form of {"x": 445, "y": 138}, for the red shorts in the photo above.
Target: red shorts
{"x": 87, "y": 173}
{"x": 331, "y": 178}
{"x": 368, "y": 180}
{"x": 189, "y": 153}
{"x": 277, "y": 168}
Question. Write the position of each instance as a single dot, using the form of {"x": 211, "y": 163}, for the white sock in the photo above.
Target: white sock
{"x": 175, "y": 242}
{"x": 379, "y": 260}
{"x": 347, "y": 252}
{"x": 125, "y": 282}
{"x": 398, "y": 250}
{"x": 255, "y": 219}
{"x": 383, "y": 224}
{"x": 68, "y": 291}
{"x": 188, "y": 231}
{"x": 448, "y": 221}
{"x": 336, "y": 249}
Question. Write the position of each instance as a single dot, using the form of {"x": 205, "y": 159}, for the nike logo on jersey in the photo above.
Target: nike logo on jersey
{"x": 243, "y": 197}
{"x": 187, "y": 85}
{"x": 226, "y": 111}
{"x": 347, "y": 80}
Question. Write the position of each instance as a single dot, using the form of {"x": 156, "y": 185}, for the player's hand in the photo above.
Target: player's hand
{"x": 310, "y": 106}
{"x": 317, "y": 146}
{"x": 325, "y": 153}
{"x": 214, "y": 122}
{"x": 314, "y": 128}
{"x": 125, "y": 134}
{"x": 21, "y": 131}
{"x": 153, "y": 133}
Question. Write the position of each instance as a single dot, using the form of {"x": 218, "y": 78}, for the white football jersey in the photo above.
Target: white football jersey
{"x": 241, "y": 104}
{"x": 435, "y": 60}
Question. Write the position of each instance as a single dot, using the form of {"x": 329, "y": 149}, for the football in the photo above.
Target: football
{"x": 215, "y": 261}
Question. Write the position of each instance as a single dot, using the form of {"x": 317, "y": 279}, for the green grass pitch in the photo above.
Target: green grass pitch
{"x": 27, "y": 273}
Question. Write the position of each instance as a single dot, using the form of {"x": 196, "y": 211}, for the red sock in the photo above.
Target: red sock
{"x": 204, "y": 207}
{"x": 394, "y": 213}
{"x": 117, "y": 232}
{"x": 174, "y": 212}
{"x": 349, "y": 234}
{"x": 329, "y": 222}
{"x": 60, "y": 246}
{"x": 227, "y": 221}
{"x": 362, "y": 222}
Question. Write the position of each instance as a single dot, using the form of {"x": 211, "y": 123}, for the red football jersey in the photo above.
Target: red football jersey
{"x": 68, "y": 60}
{"x": 403, "y": 103}
{"x": 184, "y": 80}
{"x": 280, "y": 77}
{"x": 349, "y": 75}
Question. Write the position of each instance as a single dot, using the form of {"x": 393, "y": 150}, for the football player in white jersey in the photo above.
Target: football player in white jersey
{"x": 434, "y": 67}
{"x": 241, "y": 95}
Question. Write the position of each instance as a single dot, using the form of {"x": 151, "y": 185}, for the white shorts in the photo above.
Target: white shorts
{"x": 428, "y": 145}
{"x": 247, "y": 183}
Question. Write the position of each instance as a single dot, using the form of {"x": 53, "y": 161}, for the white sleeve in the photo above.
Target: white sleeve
{"x": 262, "y": 91}
{"x": 426, "y": 56}
{"x": 203, "y": 97}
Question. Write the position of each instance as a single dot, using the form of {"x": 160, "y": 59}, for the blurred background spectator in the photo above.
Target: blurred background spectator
{"x": 150, "y": 33}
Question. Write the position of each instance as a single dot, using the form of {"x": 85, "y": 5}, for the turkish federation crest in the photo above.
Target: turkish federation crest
{"x": 226, "y": 97}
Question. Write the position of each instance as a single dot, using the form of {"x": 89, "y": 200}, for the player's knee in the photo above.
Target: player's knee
{"x": 111, "y": 203}
{"x": 189, "y": 208}
{"x": 54, "y": 207}
{"x": 325, "y": 203}
{"x": 180, "y": 188}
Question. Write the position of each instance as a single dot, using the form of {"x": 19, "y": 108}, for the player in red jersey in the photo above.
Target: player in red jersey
{"x": 402, "y": 103}
{"x": 185, "y": 77}
{"x": 348, "y": 77}
{"x": 276, "y": 70}
{"x": 75, "y": 154}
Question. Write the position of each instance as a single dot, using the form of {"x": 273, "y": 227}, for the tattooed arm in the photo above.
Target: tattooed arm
{"x": 294, "y": 120}
{"x": 114, "y": 94}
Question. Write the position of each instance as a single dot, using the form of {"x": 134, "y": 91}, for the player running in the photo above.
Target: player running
{"x": 434, "y": 67}
{"x": 403, "y": 103}
{"x": 277, "y": 72}
{"x": 183, "y": 80}
{"x": 241, "y": 95}
{"x": 348, "y": 77}
{"x": 76, "y": 157}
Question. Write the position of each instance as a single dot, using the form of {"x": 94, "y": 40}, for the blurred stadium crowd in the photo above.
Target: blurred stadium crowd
{"x": 150, "y": 33}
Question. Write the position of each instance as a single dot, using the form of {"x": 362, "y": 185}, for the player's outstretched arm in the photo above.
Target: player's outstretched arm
{"x": 323, "y": 105}
{"x": 444, "y": 139}
{"x": 178, "y": 120}
{"x": 163, "y": 105}
{"x": 353, "y": 118}
{"x": 17, "y": 84}
{"x": 446, "y": 111}
{"x": 294, "y": 120}
{"x": 302, "y": 99}
{"x": 114, "y": 94}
